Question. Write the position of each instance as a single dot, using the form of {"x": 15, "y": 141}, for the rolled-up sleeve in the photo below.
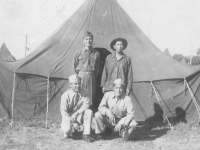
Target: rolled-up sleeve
{"x": 64, "y": 105}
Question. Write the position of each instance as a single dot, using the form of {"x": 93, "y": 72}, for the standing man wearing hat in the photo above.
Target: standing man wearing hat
{"x": 117, "y": 65}
{"x": 74, "y": 109}
{"x": 86, "y": 64}
{"x": 116, "y": 112}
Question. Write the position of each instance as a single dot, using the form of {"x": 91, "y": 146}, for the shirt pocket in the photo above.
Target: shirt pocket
{"x": 82, "y": 61}
{"x": 81, "y": 57}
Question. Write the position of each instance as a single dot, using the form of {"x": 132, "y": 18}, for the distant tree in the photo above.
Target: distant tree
{"x": 198, "y": 52}
{"x": 196, "y": 60}
{"x": 178, "y": 57}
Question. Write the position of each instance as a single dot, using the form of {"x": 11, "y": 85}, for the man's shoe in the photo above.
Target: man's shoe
{"x": 108, "y": 131}
{"x": 100, "y": 137}
{"x": 87, "y": 138}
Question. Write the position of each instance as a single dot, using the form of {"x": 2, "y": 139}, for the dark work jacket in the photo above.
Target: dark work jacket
{"x": 114, "y": 69}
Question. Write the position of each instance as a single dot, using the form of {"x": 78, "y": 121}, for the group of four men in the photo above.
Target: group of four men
{"x": 116, "y": 108}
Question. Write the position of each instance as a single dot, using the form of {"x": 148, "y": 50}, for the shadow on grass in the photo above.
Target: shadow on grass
{"x": 147, "y": 135}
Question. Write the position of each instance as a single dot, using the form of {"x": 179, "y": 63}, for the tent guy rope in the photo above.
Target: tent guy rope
{"x": 154, "y": 89}
{"x": 193, "y": 97}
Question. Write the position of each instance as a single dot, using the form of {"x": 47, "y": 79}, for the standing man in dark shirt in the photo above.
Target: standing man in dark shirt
{"x": 117, "y": 65}
{"x": 86, "y": 64}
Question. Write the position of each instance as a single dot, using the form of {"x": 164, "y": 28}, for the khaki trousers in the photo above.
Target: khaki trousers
{"x": 84, "y": 118}
{"x": 102, "y": 121}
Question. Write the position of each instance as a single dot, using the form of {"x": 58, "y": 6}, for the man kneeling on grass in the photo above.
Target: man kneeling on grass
{"x": 74, "y": 109}
{"x": 116, "y": 112}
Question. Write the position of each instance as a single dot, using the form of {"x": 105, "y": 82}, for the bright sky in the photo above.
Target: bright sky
{"x": 172, "y": 24}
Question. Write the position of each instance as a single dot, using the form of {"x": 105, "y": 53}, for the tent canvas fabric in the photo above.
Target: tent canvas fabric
{"x": 159, "y": 88}
{"x": 5, "y": 54}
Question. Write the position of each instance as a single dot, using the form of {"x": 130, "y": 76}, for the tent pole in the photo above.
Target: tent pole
{"x": 193, "y": 98}
{"x": 13, "y": 95}
{"x": 154, "y": 89}
{"x": 47, "y": 102}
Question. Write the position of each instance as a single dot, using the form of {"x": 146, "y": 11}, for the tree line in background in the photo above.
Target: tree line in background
{"x": 194, "y": 61}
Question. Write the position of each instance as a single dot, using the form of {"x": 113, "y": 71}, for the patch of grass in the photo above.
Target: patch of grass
{"x": 31, "y": 134}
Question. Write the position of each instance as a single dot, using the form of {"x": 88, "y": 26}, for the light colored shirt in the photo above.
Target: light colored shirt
{"x": 122, "y": 107}
{"x": 86, "y": 60}
{"x": 68, "y": 105}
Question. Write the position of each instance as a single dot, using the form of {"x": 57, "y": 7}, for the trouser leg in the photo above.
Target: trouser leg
{"x": 126, "y": 130}
{"x": 66, "y": 126}
{"x": 101, "y": 121}
{"x": 132, "y": 126}
{"x": 86, "y": 119}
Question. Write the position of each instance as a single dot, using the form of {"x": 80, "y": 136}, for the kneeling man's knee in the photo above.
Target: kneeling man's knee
{"x": 97, "y": 114}
{"x": 88, "y": 112}
{"x": 66, "y": 126}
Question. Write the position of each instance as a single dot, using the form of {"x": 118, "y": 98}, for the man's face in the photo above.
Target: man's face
{"x": 75, "y": 86}
{"x": 118, "y": 90}
{"x": 119, "y": 47}
{"x": 87, "y": 41}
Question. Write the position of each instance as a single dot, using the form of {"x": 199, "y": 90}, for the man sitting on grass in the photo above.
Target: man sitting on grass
{"x": 74, "y": 109}
{"x": 116, "y": 112}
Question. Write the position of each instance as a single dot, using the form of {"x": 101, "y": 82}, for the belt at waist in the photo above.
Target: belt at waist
{"x": 86, "y": 72}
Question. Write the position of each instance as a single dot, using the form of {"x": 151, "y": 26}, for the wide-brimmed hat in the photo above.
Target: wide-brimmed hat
{"x": 125, "y": 43}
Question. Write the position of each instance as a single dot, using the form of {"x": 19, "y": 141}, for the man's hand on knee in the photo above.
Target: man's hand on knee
{"x": 111, "y": 117}
{"x": 118, "y": 127}
{"x": 73, "y": 117}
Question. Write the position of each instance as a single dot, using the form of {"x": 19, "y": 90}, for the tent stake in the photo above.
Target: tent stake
{"x": 47, "y": 102}
{"x": 13, "y": 95}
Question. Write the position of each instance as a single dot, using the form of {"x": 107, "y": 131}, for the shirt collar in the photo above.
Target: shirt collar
{"x": 84, "y": 50}
{"x": 114, "y": 55}
{"x": 121, "y": 97}
{"x": 74, "y": 93}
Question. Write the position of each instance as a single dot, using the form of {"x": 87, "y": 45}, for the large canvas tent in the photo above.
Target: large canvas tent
{"x": 5, "y": 54}
{"x": 162, "y": 87}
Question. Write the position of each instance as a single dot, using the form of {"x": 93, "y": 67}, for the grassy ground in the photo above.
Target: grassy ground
{"x": 32, "y": 135}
